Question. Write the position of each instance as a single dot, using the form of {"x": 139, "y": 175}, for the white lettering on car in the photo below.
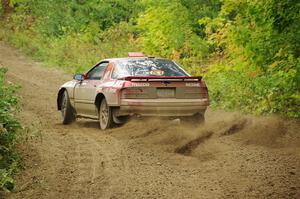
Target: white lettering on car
{"x": 140, "y": 84}
{"x": 192, "y": 84}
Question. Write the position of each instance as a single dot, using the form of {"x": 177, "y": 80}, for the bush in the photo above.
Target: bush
{"x": 8, "y": 129}
{"x": 259, "y": 41}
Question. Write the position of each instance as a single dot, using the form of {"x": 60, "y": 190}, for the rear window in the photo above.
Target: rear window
{"x": 147, "y": 67}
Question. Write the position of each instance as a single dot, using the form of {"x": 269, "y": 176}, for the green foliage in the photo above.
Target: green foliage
{"x": 8, "y": 129}
{"x": 70, "y": 34}
{"x": 260, "y": 40}
{"x": 75, "y": 52}
{"x": 56, "y": 17}
{"x": 198, "y": 9}
{"x": 162, "y": 35}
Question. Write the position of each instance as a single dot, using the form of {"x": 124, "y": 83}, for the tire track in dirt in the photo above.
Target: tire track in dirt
{"x": 258, "y": 157}
{"x": 187, "y": 148}
{"x": 86, "y": 165}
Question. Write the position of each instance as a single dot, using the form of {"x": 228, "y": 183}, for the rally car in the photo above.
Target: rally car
{"x": 115, "y": 89}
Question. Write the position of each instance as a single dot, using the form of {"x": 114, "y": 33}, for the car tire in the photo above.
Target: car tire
{"x": 67, "y": 111}
{"x": 105, "y": 115}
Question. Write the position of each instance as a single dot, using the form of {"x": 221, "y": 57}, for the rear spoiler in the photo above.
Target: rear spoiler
{"x": 159, "y": 78}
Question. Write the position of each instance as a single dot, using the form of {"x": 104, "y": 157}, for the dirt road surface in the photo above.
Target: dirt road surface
{"x": 231, "y": 156}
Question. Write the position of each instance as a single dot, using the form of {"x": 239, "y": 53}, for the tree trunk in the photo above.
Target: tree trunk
{"x": 5, "y": 7}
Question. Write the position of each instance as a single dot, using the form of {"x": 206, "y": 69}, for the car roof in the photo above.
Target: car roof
{"x": 132, "y": 58}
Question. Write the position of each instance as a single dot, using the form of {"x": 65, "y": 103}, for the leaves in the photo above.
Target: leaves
{"x": 258, "y": 38}
{"x": 8, "y": 128}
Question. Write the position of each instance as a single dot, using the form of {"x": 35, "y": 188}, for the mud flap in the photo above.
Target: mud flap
{"x": 119, "y": 119}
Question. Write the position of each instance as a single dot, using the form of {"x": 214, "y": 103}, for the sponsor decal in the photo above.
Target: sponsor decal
{"x": 140, "y": 84}
{"x": 157, "y": 72}
{"x": 192, "y": 84}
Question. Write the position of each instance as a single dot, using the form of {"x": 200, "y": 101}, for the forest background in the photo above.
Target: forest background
{"x": 247, "y": 50}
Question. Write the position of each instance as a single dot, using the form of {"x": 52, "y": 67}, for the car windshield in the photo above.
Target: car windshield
{"x": 147, "y": 67}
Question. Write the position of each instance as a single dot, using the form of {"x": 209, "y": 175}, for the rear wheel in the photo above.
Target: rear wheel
{"x": 105, "y": 115}
{"x": 67, "y": 112}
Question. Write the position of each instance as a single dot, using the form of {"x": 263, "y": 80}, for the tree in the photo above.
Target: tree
{"x": 166, "y": 30}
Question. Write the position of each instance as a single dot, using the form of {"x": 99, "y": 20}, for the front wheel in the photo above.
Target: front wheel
{"x": 105, "y": 115}
{"x": 67, "y": 111}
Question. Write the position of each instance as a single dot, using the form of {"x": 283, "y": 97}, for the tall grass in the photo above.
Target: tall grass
{"x": 9, "y": 126}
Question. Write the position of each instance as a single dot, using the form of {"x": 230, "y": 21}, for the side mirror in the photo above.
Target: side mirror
{"x": 77, "y": 77}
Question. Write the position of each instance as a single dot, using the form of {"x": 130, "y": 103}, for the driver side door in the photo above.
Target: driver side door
{"x": 85, "y": 91}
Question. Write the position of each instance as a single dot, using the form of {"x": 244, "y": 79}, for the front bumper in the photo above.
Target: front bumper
{"x": 162, "y": 107}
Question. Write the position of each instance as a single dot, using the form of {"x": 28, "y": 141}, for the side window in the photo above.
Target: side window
{"x": 97, "y": 72}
